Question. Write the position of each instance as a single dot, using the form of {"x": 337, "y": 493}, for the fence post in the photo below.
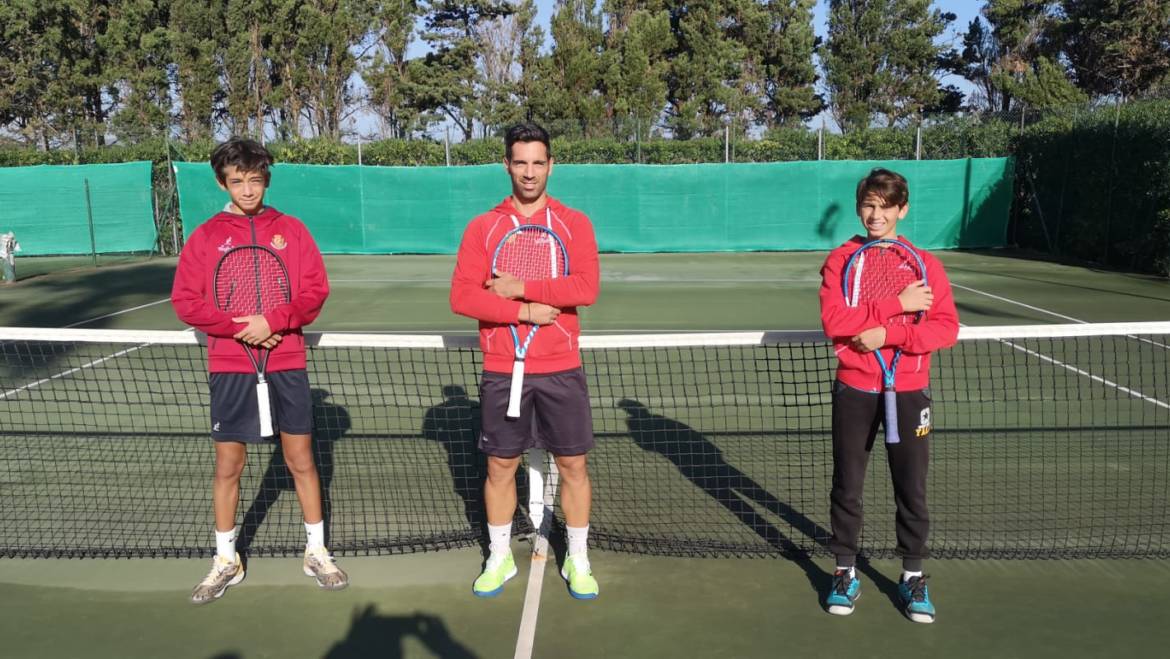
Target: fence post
{"x": 918, "y": 141}
{"x": 726, "y": 144}
{"x": 447, "y": 145}
{"x": 821, "y": 140}
{"x": 359, "y": 139}
{"x": 89, "y": 217}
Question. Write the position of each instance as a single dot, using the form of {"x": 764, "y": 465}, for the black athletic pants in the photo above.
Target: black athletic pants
{"x": 857, "y": 416}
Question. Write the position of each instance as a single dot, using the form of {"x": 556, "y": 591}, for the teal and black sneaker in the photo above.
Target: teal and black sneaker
{"x": 916, "y": 600}
{"x": 845, "y": 591}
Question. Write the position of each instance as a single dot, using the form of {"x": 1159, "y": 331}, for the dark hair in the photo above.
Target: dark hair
{"x": 247, "y": 156}
{"x": 525, "y": 132}
{"x": 890, "y": 186}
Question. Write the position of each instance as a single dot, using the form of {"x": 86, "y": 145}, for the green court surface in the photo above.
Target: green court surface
{"x": 640, "y": 293}
{"x": 651, "y": 606}
{"x": 421, "y": 606}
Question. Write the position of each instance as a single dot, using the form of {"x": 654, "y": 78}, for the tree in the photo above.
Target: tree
{"x": 880, "y": 59}
{"x": 387, "y": 74}
{"x": 196, "y": 36}
{"x": 635, "y": 65}
{"x": 448, "y": 79}
{"x": 780, "y": 45}
{"x": 705, "y": 86}
{"x": 1117, "y": 47}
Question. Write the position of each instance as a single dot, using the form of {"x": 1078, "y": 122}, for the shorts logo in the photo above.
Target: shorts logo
{"x": 278, "y": 242}
{"x": 215, "y": 427}
{"x": 924, "y": 426}
{"x": 226, "y": 246}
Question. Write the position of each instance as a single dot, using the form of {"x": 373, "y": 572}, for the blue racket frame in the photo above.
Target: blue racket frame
{"x": 889, "y": 371}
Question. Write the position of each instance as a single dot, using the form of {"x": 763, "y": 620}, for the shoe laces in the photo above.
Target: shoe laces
{"x": 219, "y": 565}
{"x": 841, "y": 580}
{"x": 324, "y": 559}
{"x": 917, "y": 586}
{"x": 495, "y": 560}
{"x": 580, "y": 563}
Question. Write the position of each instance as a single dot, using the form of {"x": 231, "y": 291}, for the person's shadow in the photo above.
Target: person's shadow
{"x": 373, "y": 635}
{"x": 330, "y": 423}
{"x": 702, "y": 463}
{"x": 455, "y": 425}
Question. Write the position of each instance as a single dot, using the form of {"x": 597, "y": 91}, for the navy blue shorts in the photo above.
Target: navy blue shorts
{"x": 235, "y": 414}
{"x": 554, "y": 414}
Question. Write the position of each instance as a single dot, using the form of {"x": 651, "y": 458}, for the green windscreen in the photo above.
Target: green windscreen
{"x": 634, "y": 208}
{"x": 48, "y": 209}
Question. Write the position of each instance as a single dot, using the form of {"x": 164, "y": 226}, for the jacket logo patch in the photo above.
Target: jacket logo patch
{"x": 278, "y": 242}
{"x": 226, "y": 246}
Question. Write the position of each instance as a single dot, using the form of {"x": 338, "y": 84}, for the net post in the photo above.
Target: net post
{"x": 89, "y": 219}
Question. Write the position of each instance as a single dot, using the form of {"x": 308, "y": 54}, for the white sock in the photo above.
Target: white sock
{"x": 578, "y": 539}
{"x": 500, "y": 538}
{"x": 847, "y": 569}
{"x": 907, "y": 574}
{"x": 316, "y": 534}
{"x": 225, "y": 544}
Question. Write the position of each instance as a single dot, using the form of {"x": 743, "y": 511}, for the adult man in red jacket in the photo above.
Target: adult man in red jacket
{"x": 555, "y": 412}
{"x": 242, "y": 170}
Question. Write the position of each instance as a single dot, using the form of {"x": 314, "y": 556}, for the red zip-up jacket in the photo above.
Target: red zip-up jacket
{"x": 555, "y": 347}
{"x": 938, "y": 328}
{"x": 194, "y": 303}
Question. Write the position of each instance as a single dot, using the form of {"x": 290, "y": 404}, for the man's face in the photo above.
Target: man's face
{"x": 529, "y": 168}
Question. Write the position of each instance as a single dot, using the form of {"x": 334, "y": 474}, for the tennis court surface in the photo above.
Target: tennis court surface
{"x": 1049, "y": 482}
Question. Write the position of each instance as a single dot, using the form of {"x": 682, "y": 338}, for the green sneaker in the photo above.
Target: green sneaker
{"x": 498, "y": 569}
{"x": 576, "y": 571}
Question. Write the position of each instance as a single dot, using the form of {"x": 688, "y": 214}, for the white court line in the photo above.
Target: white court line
{"x": 1096, "y": 378}
{"x": 1050, "y": 313}
{"x": 119, "y": 313}
{"x": 1019, "y": 304}
{"x": 71, "y": 371}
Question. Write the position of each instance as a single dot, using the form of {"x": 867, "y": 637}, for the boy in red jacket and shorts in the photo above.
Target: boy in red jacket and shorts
{"x": 242, "y": 170}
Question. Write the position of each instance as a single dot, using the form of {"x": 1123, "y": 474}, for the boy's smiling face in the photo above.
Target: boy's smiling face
{"x": 246, "y": 189}
{"x": 880, "y": 220}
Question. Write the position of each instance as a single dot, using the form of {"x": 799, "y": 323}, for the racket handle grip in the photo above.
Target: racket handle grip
{"x": 517, "y": 387}
{"x": 891, "y": 405}
{"x": 265, "y": 409}
{"x": 537, "y": 465}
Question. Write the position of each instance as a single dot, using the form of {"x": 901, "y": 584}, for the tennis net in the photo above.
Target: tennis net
{"x": 1049, "y": 441}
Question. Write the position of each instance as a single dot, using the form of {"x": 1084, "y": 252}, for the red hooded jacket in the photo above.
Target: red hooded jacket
{"x": 938, "y": 328}
{"x": 192, "y": 297}
{"x": 556, "y": 347}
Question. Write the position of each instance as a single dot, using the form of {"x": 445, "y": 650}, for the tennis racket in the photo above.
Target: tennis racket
{"x": 249, "y": 280}
{"x": 883, "y": 269}
{"x": 529, "y": 252}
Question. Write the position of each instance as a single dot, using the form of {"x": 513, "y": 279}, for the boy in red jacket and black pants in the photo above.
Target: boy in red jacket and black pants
{"x": 554, "y": 409}
{"x": 856, "y": 331}
{"x": 242, "y": 170}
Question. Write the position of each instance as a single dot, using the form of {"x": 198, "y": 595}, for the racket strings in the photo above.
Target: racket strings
{"x": 250, "y": 281}
{"x": 886, "y": 272}
{"x": 530, "y": 256}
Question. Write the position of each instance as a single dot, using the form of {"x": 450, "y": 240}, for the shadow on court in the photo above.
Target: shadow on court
{"x": 455, "y": 424}
{"x": 374, "y": 635}
{"x": 330, "y": 423}
{"x": 701, "y": 462}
